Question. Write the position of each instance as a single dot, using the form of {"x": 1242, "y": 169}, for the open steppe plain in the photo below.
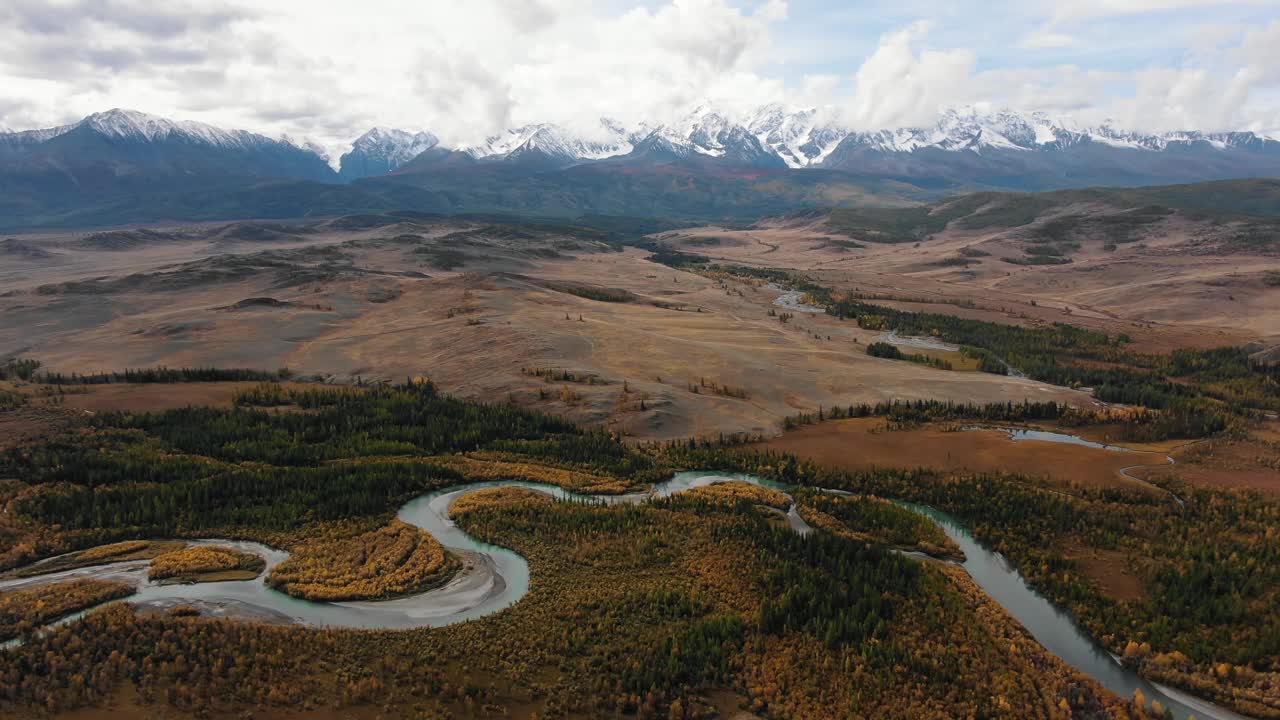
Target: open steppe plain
{"x": 482, "y": 310}
{"x": 1179, "y": 286}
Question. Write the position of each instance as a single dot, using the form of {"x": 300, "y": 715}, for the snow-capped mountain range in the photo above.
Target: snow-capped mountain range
{"x": 772, "y": 136}
{"x": 967, "y": 129}
{"x": 810, "y": 138}
{"x": 134, "y": 148}
{"x": 122, "y": 165}
{"x": 134, "y": 126}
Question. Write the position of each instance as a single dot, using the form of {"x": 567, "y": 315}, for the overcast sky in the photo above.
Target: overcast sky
{"x": 467, "y": 68}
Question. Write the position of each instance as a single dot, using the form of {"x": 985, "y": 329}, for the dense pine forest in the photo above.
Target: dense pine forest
{"x": 27, "y": 369}
{"x": 921, "y": 411}
{"x": 344, "y": 453}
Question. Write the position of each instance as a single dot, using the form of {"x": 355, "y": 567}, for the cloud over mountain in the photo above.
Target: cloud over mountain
{"x": 468, "y": 71}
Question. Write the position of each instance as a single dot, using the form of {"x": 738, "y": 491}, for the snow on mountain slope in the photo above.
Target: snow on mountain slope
{"x": 18, "y": 140}
{"x": 770, "y": 136}
{"x": 131, "y": 125}
{"x": 120, "y": 147}
{"x": 307, "y": 145}
{"x": 710, "y": 133}
{"x": 137, "y": 126}
{"x": 383, "y": 150}
{"x": 608, "y": 140}
{"x": 801, "y": 138}
{"x": 704, "y": 132}
{"x": 968, "y": 129}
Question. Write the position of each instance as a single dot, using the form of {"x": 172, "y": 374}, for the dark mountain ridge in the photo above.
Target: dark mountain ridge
{"x": 124, "y": 167}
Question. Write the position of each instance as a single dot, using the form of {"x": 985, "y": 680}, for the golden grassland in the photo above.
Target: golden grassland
{"x": 482, "y": 466}
{"x": 397, "y": 559}
{"x": 733, "y": 492}
{"x": 206, "y": 563}
{"x": 1097, "y": 291}
{"x": 959, "y": 361}
{"x": 734, "y": 341}
{"x": 492, "y": 498}
{"x": 22, "y": 611}
{"x": 129, "y": 549}
{"x": 102, "y": 555}
{"x": 866, "y": 443}
{"x": 1247, "y": 462}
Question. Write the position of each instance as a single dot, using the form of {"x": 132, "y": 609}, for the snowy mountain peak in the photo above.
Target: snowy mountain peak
{"x": 138, "y": 126}
{"x": 398, "y": 142}
{"x": 808, "y": 137}
{"x": 660, "y": 145}
{"x": 22, "y": 138}
{"x": 123, "y": 123}
{"x": 307, "y": 145}
{"x": 130, "y": 126}
{"x": 801, "y": 137}
{"x": 603, "y": 140}
{"x": 382, "y": 150}
{"x": 397, "y": 146}
{"x": 144, "y": 150}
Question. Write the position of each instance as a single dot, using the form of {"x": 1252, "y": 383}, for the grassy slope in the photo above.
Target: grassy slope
{"x": 1256, "y": 201}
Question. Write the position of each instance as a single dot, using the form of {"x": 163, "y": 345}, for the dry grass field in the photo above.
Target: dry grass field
{"x": 1167, "y": 291}
{"x": 479, "y": 310}
{"x": 861, "y": 444}
{"x": 499, "y": 312}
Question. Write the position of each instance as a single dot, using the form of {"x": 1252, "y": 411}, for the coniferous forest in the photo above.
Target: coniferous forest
{"x": 633, "y": 609}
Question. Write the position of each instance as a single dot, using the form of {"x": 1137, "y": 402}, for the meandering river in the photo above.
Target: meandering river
{"x": 494, "y": 578}
{"x": 1056, "y": 630}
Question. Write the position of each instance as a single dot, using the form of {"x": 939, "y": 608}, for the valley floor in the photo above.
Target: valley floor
{"x": 372, "y": 306}
{"x": 1162, "y": 552}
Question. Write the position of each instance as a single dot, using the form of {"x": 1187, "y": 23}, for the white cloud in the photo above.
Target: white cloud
{"x": 899, "y": 85}
{"x": 1260, "y": 53}
{"x": 465, "y": 70}
{"x": 1168, "y": 99}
